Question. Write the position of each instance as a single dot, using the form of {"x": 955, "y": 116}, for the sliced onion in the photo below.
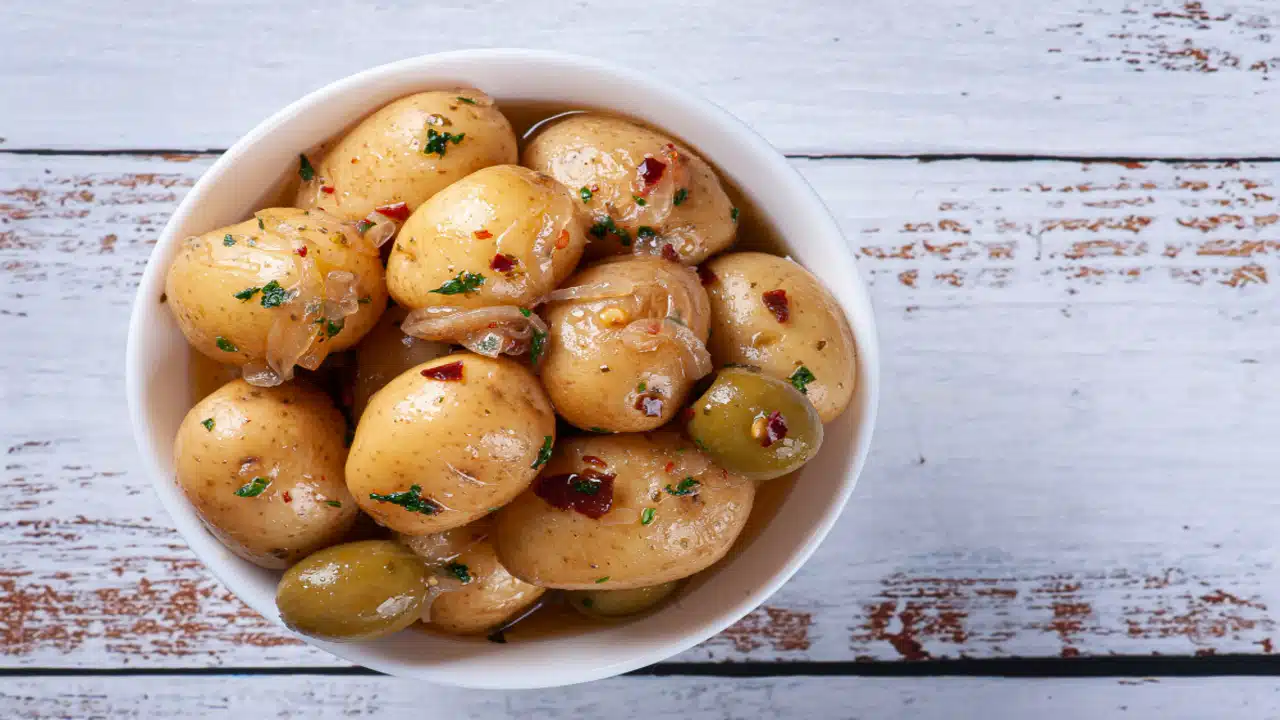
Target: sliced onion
{"x": 649, "y": 334}
{"x": 490, "y": 331}
{"x": 382, "y": 230}
{"x": 592, "y": 291}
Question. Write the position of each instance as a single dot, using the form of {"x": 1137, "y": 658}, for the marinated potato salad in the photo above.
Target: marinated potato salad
{"x": 480, "y": 376}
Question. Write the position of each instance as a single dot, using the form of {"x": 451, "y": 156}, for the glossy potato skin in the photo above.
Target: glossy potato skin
{"x": 593, "y": 376}
{"x": 381, "y": 160}
{"x": 603, "y": 154}
{"x": 291, "y": 434}
{"x": 816, "y": 335}
{"x": 207, "y": 273}
{"x": 356, "y": 591}
{"x": 620, "y": 603}
{"x": 385, "y": 353}
{"x": 566, "y": 549}
{"x": 469, "y": 444}
{"x": 501, "y": 210}
{"x": 491, "y": 597}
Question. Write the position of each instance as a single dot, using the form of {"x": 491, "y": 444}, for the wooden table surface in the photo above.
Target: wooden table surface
{"x": 1068, "y": 216}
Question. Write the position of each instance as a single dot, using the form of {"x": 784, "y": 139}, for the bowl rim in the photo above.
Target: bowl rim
{"x": 854, "y": 299}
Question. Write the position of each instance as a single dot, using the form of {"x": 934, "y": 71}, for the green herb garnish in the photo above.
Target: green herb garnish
{"x": 333, "y": 503}
{"x": 801, "y": 378}
{"x": 586, "y": 487}
{"x": 465, "y": 282}
{"x": 598, "y": 429}
{"x": 585, "y": 193}
{"x": 246, "y": 293}
{"x": 363, "y": 226}
{"x": 254, "y": 487}
{"x": 526, "y": 312}
{"x": 642, "y": 386}
{"x": 466, "y": 100}
{"x": 536, "y": 346}
{"x": 274, "y": 295}
{"x": 225, "y": 345}
{"x": 332, "y": 328}
{"x": 646, "y": 516}
{"x": 733, "y": 214}
{"x": 603, "y": 579}
{"x": 680, "y": 196}
{"x": 460, "y": 571}
{"x": 365, "y": 300}
{"x": 410, "y": 500}
{"x": 208, "y": 424}
{"x": 228, "y": 240}
{"x": 305, "y": 171}
{"x": 261, "y": 225}
{"x": 644, "y": 232}
{"x": 606, "y": 226}
{"x": 687, "y": 486}
{"x": 544, "y": 453}
{"x": 639, "y": 200}
{"x": 438, "y": 142}
{"x": 586, "y": 602}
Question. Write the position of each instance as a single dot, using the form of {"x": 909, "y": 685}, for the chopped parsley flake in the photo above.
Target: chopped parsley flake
{"x": 585, "y": 193}
{"x": 228, "y": 240}
{"x": 687, "y": 486}
{"x": 261, "y": 225}
{"x": 333, "y": 503}
{"x": 208, "y": 424}
{"x": 598, "y": 429}
{"x": 438, "y": 142}
{"x": 460, "y": 571}
{"x": 642, "y": 386}
{"x": 680, "y": 196}
{"x": 254, "y": 487}
{"x": 274, "y": 295}
{"x": 225, "y": 345}
{"x": 246, "y": 293}
{"x": 332, "y": 328}
{"x": 410, "y": 500}
{"x": 365, "y": 300}
{"x": 646, "y": 516}
{"x": 465, "y": 282}
{"x": 733, "y": 214}
{"x": 544, "y": 453}
{"x": 603, "y": 579}
{"x": 639, "y": 200}
{"x": 305, "y": 171}
{"x": 363, "y": 226}
{"x": 586, "y": 602}
{"x": 526, "y": 312}
{"x": 466, "y": 100}
{"x": 645, "y": 232}
{"x": 801, "y": 378}
{"x": 606, "y": 226}
{"x": 536, "y": 346}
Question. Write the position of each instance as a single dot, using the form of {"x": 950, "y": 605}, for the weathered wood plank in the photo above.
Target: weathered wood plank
{"x": 316, "y": 698}
{"x": 1127, "y": 78}
{"x": 1074, "y": 455}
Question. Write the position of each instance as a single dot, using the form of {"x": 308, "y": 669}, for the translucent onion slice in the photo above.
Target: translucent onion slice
{"x": 301, "y": 321}
{"x": 490, "y": 331}
{"x": 591, "y": 291}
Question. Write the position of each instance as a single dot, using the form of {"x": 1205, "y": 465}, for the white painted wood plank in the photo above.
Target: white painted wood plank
{"x": 317, "y": 698}
{"x": 1074, "y": 458}
{"x": 1077, "y": 77}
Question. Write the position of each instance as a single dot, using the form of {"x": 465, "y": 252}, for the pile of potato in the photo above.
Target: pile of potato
{"x": 515, "y": 421}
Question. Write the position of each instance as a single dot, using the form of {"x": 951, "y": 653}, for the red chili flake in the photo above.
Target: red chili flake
{"x": 650, "y": 405}
{"x": 302, "y": 251}
{"x": 669, "y": 253}
{"x": 396, "y": 211}
{"x": 588, "y": 492}
{"x": 593, "y": 460}
{"x": 451, "y": 372}
{"x": 706, "y": 275}
{"x": 562, "y": 242}
{"x": 287, "y": 497}
{"x": 651, "y": 170}
{"x": 775, "y": 429}
{"x": 502, "y": 263}
{"x": 482, "y": 234}
{"x": 776, "y": 301}
{"x": 670, "y": 466}
{"x": 327, "y": 189}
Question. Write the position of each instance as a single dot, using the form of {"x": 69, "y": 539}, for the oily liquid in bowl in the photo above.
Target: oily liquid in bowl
{"x": 552, "y": 616}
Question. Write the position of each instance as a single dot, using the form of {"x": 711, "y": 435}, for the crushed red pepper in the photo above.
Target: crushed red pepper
{"x": 327, "y": 189}
{"x": 651, "y": 171}
{"x": 287, "y": 497}
{"x": 562, "y": 241}
{"x": 502, "y": 263}
{"x": 302, "y": 251}
{"x": 451, "y": 372}
{"x": 669, "y": 253}
{"x": 482, "y": 234}
{"x": 593, "y": 460}
{"x": 706, "y": 275}
{"x": 775, "y": 429}
{"x": 776, "y": 301}
{"x": 569, "y": 492}
{"x": 396, "y": 211}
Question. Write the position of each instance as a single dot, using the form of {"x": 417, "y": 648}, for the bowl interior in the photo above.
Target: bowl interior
{"x": 251, "y": 173}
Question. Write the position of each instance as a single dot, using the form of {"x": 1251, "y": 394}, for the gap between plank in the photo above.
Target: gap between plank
{"x": 1117, "y": 666}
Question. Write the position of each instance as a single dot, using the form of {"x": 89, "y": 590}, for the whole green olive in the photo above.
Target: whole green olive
{"x": 755, "y": 425}
{"x": 354, "y": 591}
{"x": 619, "y": 603}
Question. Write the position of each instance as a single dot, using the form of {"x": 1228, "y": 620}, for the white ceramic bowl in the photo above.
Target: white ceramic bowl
{"x": 242, "y": 179}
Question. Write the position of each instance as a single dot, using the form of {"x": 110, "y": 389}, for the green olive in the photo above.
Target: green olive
{"x": 617, "y": 603}
{"x": 755, "y": 425}
{"x": 354, "y": 591}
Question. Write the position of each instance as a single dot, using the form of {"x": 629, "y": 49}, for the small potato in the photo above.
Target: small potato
{"x": 245, "y": 292}
{"x": 644, "y": 191}
{"x": 620, "y": 603}
{"x": 483, "y": 594}
{"x": 357, "y": 591}
{"x": 448, "y": 441}
{"x": 385, "y": 353}
{"x": 622, "y": 511}
{"x": 408, "y": 151}
{"x": 770, "y": 313}
{"x": 624, "y": 356}
{"x": 263, "y": 469}
{"x": 516, "y": 229}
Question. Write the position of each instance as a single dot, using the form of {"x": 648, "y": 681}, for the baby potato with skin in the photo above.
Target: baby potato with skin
{"x": 770, "y": 313}
{"x": 669, "y": 513}
{"x": 263, "y": 469}
{"x": 517, "y": 229}
{"x": 488, "y": 595}
{"x": 447, "y": 441}
{"x": 220, "y": 289}
{"x": 623, "y": 357}
{"x": 643, "y": 190}
{"x": 408, "y": 151}
{"x": 385, "y": 353}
